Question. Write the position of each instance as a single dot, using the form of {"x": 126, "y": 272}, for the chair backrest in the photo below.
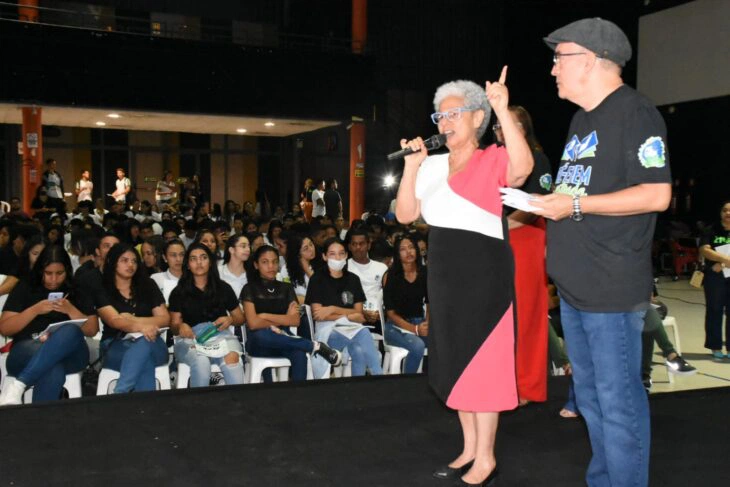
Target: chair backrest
{"x": 310, "y": 320}
{"x": 4, "y": 207}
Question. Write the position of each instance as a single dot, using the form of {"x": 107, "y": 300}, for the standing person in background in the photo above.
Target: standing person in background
{"x": 84, "y": 187}
{"x": 717, "y": 284}
{"x": 53, "y": 182}
{"x": 527, "y": 238}
{"x": 613, "y": 178}
{"x": 318, "y": 208}
{"x": 124, "y": 186}
{"x": 166, "y": 190}
{"x": 306, "y": 199}
{"x": 332, "y": 201}
{"x": 191, "y": 191}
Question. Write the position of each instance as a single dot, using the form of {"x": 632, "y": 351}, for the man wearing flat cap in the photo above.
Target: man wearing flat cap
{"x": 613, "y": 179}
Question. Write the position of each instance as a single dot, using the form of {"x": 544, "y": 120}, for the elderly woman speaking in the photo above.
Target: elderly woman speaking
{"x": 471, "y": 271}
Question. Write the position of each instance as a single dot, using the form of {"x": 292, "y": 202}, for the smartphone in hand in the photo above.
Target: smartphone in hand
{"x": 55, "y": 296}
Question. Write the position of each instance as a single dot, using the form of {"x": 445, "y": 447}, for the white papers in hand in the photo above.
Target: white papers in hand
{"x": 724, "y": 250}
{"x": 54, "y": 326}
{"x": 347, "y": 328}
{"x": 517, "y": 199}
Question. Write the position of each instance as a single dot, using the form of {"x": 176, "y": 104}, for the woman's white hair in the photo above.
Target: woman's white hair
{"x": 473, "y": 95}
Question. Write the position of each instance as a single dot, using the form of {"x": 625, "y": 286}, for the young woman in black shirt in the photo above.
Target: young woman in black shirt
{"x": 202, "y": 298}
{"x": 336, "y": 293}
{"x": 404, "y": 294}
{"x": 716, "y": 285}
{"x": 271, "y": 307}
{"x": 42, "y": 360}
{"x": 131, "y": 303}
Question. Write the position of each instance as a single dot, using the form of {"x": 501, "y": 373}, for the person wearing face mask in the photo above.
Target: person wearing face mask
{"x": 271, "y": 308}
{"x": 335, "y": 293}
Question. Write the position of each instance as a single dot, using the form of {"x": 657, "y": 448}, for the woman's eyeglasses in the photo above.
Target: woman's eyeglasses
{"x": 451, "y": 115}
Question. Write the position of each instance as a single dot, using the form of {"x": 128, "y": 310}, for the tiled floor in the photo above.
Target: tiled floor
{"x": 687, "y": 305}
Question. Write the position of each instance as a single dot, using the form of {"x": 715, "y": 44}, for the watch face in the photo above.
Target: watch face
{"x": 576, "y": 217}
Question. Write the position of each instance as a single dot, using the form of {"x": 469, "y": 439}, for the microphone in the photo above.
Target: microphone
{"x": 432, "y": 143}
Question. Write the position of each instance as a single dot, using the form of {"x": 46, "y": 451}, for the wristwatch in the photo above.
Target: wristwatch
{"x": 577, "y": 214}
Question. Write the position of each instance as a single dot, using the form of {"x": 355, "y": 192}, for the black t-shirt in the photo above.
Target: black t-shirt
{"x": 715, "y": 237}
{"x": 343, "y": 292}
{"x": 89, "y": 280}
{"x": 141, "y": 304}
{"x": 405, "y": 298}
{"x": 24, "y": 295}
{"x": 332, "y": 201}
{"x": 269, "y": 296}
{"x": 603, "y": 263}
{"x": 9, "y": 261}
{"x": 196, "y": 308}
{"x": 309, "y": 192}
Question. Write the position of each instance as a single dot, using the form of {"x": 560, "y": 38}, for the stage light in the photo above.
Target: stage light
{"x": 269, "y": 124}
{"x": 241, "y": 131}
{"x": 114, "y": 115}
{"x": 389, "y": 181}
{"x": 100, "y": 123}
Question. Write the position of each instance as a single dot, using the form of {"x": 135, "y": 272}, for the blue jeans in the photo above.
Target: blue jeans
{"x": 416, "y": 345}
{"x": 605, "y": 353}
{"x": 44, "y": 366}
{"x": 200, "y": 366}
{"x": 362, "y": 350}
{"x": 571, "y": 405}
{"x": 136, "y": 361}
{"x": 266, "y": 343}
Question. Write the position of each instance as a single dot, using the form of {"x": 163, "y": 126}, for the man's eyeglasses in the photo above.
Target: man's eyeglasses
{"x": 451, "y": 115}
{"x": 559, "y": 55}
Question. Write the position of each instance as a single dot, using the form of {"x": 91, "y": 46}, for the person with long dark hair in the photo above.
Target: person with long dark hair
{"x": 152, "y": 250}
{"x": 38, "y": 359}
{"x": 404, "y": 295}
{"x": 133, "y": 311}
{"x": 300, "y": 252}
{"x": 201, "y": 298}
{"x": 271, "y": 307}
{"x": 337, "y": 298}
{"x": 470, "y": 266}
{"x": 233, "y": 268}
{"x": 527, "y": 239}
{"x": 29, "y": 255}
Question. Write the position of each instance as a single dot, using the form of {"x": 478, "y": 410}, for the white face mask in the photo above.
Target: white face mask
{"x": 336, "y": 265}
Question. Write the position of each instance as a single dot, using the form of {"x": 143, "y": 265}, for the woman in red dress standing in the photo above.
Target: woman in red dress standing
{"x": 527, "y": 238}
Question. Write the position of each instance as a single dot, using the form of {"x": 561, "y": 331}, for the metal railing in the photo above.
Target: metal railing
{"x": 105, "y": 19}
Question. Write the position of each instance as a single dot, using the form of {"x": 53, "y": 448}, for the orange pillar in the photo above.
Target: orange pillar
{"x": 32, "y": 154}
{"x": 357, "y": 131}
{"x": 357, "y": 170}
{"x": 28, "y": 10}
{"x": 359, "y": 25}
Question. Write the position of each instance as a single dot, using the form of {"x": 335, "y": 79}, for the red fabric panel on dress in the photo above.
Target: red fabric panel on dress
{"x": 528, "y": 247}
{"x": 488, "y": 382}
{"x": 482, "y": 177}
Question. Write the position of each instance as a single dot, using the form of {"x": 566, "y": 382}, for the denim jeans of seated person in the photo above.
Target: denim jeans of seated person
{"x": 605, "y": 353}
{"x": 44, "y": 365}
{"x": 200, "y": 365}
{"x": 416, "y": 345}
{"x": 362, "y": 350}
{"x": 135, "y": 360}
{"x": 267, "y": 343}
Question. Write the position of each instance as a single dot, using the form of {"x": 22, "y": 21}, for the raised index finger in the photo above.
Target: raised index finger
{"x": 503, "y": 75}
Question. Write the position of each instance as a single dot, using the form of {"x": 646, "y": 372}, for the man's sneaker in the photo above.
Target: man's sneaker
{"x": 679, "y": 366}
{"x": 331, "y": 355}
{"x": 718, "y": 356}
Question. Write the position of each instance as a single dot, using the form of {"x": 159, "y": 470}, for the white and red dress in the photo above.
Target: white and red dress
{"x": 471, "y": 342}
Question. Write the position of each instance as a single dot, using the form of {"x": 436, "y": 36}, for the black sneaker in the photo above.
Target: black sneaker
{"x": 329, "y": 354}
{"x": 679, "y": 366}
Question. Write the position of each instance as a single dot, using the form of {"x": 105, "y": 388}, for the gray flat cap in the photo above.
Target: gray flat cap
{"x": 602, "y": 37}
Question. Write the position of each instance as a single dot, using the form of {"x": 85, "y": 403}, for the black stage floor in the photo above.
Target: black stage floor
{"x": 385, "y": 431}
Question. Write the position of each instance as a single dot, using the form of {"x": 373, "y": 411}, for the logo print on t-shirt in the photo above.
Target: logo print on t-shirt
{"x": 347, "y": 298}
{"x": 652, "y": 153}
{"x": 579, "y": 149}
{"x": 546, "y": 181}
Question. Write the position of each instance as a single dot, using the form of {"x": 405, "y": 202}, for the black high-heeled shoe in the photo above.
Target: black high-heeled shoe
{"x": 447, "y": 473}
{"x": 490, "y": 481}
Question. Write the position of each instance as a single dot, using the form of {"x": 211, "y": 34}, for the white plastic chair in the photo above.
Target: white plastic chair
{"x": 395, "y": 357}
{"x": 109, "y": 377}
{"x": 4, "y": 207}
{"x": 255, "y": 367}
{"x": 671, "y": 321}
